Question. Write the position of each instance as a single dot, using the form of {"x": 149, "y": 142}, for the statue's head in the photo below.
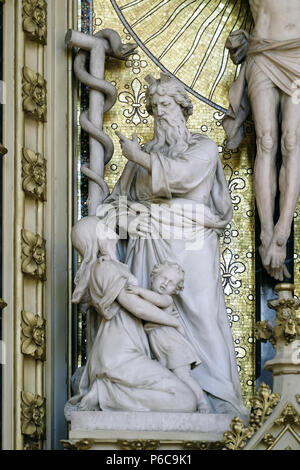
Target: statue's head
{"x": 167, "y": 278}
{"x": 168, "y": 102}
{"x": 170, "y": 89}
{"x": 91, "y": 238}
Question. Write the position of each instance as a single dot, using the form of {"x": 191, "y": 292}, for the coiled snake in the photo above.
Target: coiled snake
{"x": 114, "y": 48}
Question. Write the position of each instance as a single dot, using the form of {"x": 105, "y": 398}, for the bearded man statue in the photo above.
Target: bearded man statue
{"x": 172, "y": 203}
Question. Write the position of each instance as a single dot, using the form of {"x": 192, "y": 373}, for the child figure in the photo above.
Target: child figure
{"x": 170, "y": 345}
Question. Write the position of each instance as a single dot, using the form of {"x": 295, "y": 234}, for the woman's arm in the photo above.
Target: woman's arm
{"x": 145, "y": 310}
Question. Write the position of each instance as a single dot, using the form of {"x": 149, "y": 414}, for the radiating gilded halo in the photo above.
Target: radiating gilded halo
{"x": 186, "y": 38}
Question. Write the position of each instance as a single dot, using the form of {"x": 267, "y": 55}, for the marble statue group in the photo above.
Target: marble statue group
{"x": 150, "y": 272}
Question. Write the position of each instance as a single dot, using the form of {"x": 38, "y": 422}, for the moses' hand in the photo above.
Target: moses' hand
{"x": 130, "y": 148}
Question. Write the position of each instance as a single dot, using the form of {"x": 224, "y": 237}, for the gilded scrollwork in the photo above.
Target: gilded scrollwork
{"x": 263, "y": 404}
{"x": 33, "y": 336}
{"x": 34, "y": 95}
{"x": 34, "y": 168}
{"x": 33, "y": 255}
{"x": 238, "y": 436}
{"x": 34, "y": 15}
{"x": 33, "y": 419}
{"x": 298, "y": 398}
{"x": 138, "y": 444}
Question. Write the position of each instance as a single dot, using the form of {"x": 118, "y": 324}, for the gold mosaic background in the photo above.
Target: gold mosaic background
{"x": 202, "y": 37}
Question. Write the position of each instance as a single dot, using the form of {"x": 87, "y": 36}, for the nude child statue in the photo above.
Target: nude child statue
{"x": 269, "y": 77}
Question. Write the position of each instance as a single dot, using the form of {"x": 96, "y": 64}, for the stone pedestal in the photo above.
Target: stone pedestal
{"x": 146, "y": 430}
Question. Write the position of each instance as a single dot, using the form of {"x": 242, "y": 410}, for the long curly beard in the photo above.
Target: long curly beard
{"x": 171, "y": 137}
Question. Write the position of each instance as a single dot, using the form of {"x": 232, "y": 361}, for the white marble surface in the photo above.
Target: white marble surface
{"x": 150, "y": 421}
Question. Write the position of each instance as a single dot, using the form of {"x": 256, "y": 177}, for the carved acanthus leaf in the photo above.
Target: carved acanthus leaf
{"x": 289, "y": 415}
{"x": 264, "y": 332}
{"x": 3, "y": 150}
{"x": 263, "y": 404}
{"x": 34, "y": 95}
{"x": 238, "y": 436}
{"x": 33, "y": 416}
{"x": 33, "y": 255}
{"x": 33, "y": 336}
{"x": 34, "y": 15}
{"x": 34, "y": 174}
{"x": 268, "y": 439}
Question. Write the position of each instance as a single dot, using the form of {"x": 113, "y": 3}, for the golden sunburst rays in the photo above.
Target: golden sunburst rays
{"x": 187, "y": 39}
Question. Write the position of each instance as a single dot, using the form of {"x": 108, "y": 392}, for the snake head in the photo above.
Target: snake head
{"x": 125, "y": 50}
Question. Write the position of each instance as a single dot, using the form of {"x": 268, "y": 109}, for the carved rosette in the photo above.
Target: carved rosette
{"x": 34, "y": 15}
{"x": 34, "y": 168}
{"x": 33, "y": 419}
{"x": 33, "y": 255}
{"x": 263, "y": 404}
{"x": 34, "y": 95}
{"x": 33, "y": 336}
{"x": 138, "y": 445}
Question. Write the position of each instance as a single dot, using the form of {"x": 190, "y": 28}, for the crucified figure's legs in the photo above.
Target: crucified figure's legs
{"x": 265, "y": 105}
{"x": 289, "y": 181}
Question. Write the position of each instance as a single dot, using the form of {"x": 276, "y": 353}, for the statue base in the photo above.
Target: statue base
{"x": 94, "y": 430}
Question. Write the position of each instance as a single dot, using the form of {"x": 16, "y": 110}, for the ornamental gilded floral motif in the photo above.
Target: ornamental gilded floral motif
{"x": 33, "y": 416}
{"x": 35, "y": 20}
{"x": 136, "y": 99}
{"x": 33, "y": 336}
{"x": 34, "y": 95}
{"x": 34, "y": 174}
{"x": 33, "y": 255}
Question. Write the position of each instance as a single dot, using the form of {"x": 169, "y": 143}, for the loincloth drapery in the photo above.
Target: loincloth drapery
{"x": 265, "y": 64}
